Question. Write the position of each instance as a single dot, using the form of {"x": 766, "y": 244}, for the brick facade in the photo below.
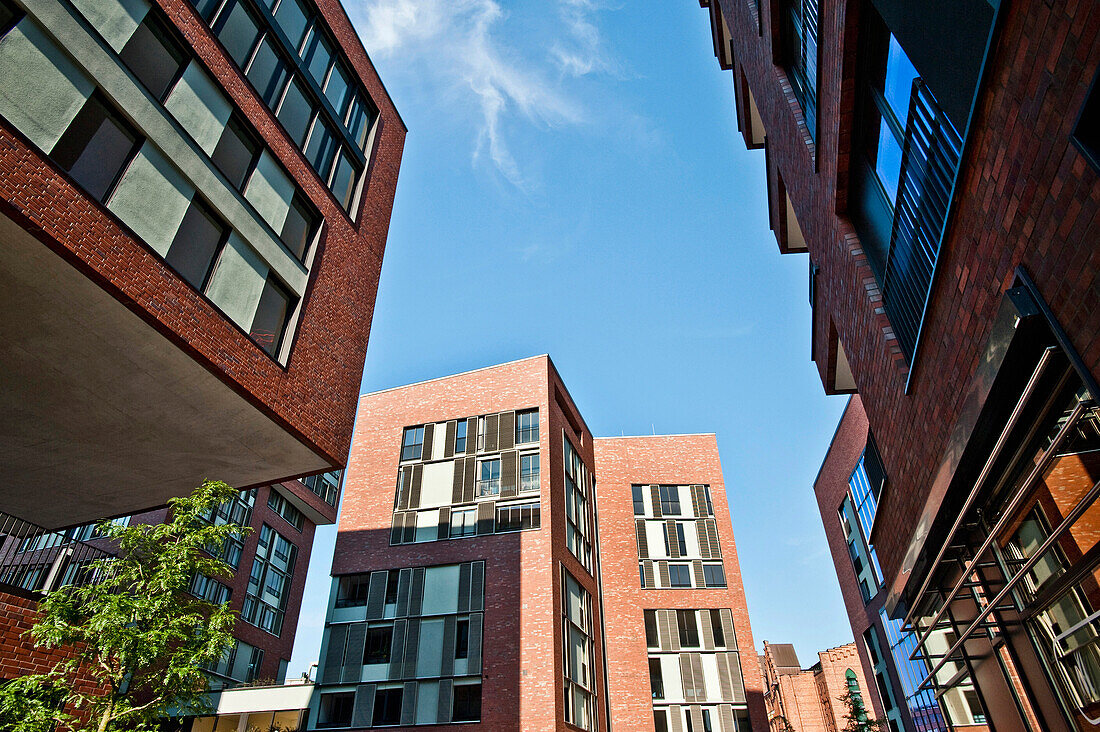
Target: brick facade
{"x": 809, "y": 700}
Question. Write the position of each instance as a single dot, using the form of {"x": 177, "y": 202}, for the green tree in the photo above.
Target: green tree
{"x": 855, "y": 713}
{"x": 136, "y": 633}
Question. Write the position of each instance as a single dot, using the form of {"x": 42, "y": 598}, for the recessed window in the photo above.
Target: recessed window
{"x": 707, "y": 724}
{"x": 236, "y": 152}
{"x": 279, "y": 504}
{"x": 716, "y": 631}
{"x": 299, "y": 226}
{"x": 268, "y": 73}
{"x": 96, "y": 147}
{"x": 196, "y": 244}
{"x": 462, "y": 638}
{"x": 292, "y": 18}
{"x": 529, "y": 472}
{"x": 352, "y": 590}
{"x": 296, "y": 111}
{"x": 460, "y": 436}
{"x": 518, "y": 516}
{"x": 688, "y": 628}
{"x": 488, "y": 482}
{"x": 154, "y": 56}
{"x": 359, "y": 120}
{"x": 387, "y": 706}
{"x": 392, "y": 582}
{"x": 343, "y": 179}
{"x": 656, "y": 679}
{"x": 334, "y": 710}
{"x": 670, "y": 500}
{"x": 206, "y": 8}
{"x": 318, "y": 56}
{"x": 269, "y": 322}
{"x": 378, "y": 643}
{"x": 467, "y": 703}
{"x": 710, "y": 504}
{"x": 322, "y": 147}
{"x": 800, "y": 49}
{"x": 527, "y": 426}
{"x": 714, "y": 575}
{"x": 679, "y": 575}
{"x": 463, "y": 523}
{"x": 651, "y": 629}
{"x": 412, "y": 444}
{"x": 660, "y": 720}
{"x": 681, "y": 540}
{"x": 238, "y": 31}
{"x": 337, "y": 89}
{"x": 639, "y": 502}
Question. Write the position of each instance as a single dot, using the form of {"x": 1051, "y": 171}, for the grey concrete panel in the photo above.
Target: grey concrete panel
{"x": 40, "y": 88}
{"x": 200, "y": 107}
{"x": 238, "y": 281}
{"x": 116, "y": 20}
{"x": 270, "y": 190}
{"x": 151, "y": 198}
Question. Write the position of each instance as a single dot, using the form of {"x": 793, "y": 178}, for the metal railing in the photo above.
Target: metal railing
{"x": 39, "y": 561}
{"x": 930, "y": 159}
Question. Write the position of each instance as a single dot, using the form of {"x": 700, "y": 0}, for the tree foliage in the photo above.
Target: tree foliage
{"x": 856, "y": 714}
{"x": 135, "y": 632}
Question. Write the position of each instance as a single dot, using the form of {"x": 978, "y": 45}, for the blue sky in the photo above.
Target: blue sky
{"x": 573, "y": 183}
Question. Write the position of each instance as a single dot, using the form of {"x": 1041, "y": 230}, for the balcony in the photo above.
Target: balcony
{"x": 36, "y": 561}
{"x": 930, "y": 160}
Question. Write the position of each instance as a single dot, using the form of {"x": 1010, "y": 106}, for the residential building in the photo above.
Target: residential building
{"x": 814, "y": 699}
{"x": 937, "y": 162}
{"x": 480, "y": 576}
{"x": 194, "y": 203}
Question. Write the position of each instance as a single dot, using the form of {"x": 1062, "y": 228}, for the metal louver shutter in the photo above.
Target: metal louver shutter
{"x": 509, "y": 473}
{"x": 655, "y": 499}
{"x": 456, "y": 481}
{"x": 491, "y": 442}
{"x": 507, "y": 430}
{"x": 672, "y": 627}
{"x": 676, "y": 718}
{"x": 647, "y": 570}
{"x": 404, "y": 579}
{"x": 697, "y": 570}
{"x": 448, "y": 666}
{"x": 701, "y": 538}
{"x": 417, "y": 480}
{"x": 697, "y": 673}
{"x": 397, "y": 650}
{"x": 474, "y": 654}
{"x": 662, "y": 572}
{"x": 697, "y": 507}
{"x": 449, "y": 439}
{"x": 486, "y": 515}
{"x": 334, "y": 655}
{"x": 725, "y": 682}
{"x": 410, "y": 528}
{"x": 408, "y": 703}
{"x": 712, "y": 537}
{"x": 412, "y": 644}
{"x": 727, "y": 628}
{"x": 477, "y": 586}
{"x": 643, "y": 542}
{"x": 670, "y": 537}
{"x": 353, "y": 656}
{"x": 469, "y": 480}
{"x": 706, "y": 633}
{"x": 404, "y": 484}
{"x": 376, "y": 595}
{"x": 429, "y": 433}
{"x": 471, "y": 449}
{"x": 725, "y": 717}
{"x": 362, "y": 714}
{"x": 686, "y": 677}
{"x": 697, "y": 716}
{"x": 416, "y": 592}
{"x": 397, "y": 531}
{"x": 464, "y": 587}
{"x": 443, "y": 529}
{"x": 444, "y": 715}
{"x": 734, "y": 660}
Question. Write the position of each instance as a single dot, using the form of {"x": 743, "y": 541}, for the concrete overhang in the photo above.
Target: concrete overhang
{"x": 105, "y": 415}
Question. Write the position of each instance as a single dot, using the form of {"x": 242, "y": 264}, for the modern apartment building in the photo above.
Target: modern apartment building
{"x": 194, "y": 203}
{"x": 937, "y": 162}
{"x": 812, "y": 700}
{"x": 485, "y": 572}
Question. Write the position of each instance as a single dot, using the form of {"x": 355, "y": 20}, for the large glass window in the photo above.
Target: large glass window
{"x": 236, "y": 152}
{"x": 343, "y": 180}
{"x": 378, "y": 644}
{"x": 517, "y": 516}
{"x": 292, "y": 18}
{"x": 269, "y": 581}
{"x": 656, "y": 679}
{"x": 467, "y": 702}
{"x": 154, "y": 55}
{"x": 296, "y": 110}
{"x": 268, "y": 72}
{"x": 529, "y": 472}
{"x": 800, "y": 49}
{"x": 670, "y": 500}
{"x": 96, "y": 147}
{"x": 299, "y": 226}
{"x": 463, "y": 522}
{"x": 460, "y": 436}
{"x": 576, "y": 506}
{"x": 688, "y": 628}
{"x": 412, "y": 445}
{"x": 278, "y": 503}
{"x": 238, "y": 30}
{"x": 272, "y": 312}
{"x": 195, "y": 247}
{"x": 577, "y": 639}
{"x": 387, "y": 706}
{"x": 527, "y": 426}
{"x": 488, "y": 480}
{"x": 679, "y": 575}
{"x": 714, "y": 575}
{"x": 639, "y": 502}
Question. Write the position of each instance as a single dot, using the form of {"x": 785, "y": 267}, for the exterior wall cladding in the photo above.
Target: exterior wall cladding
{"x": 523, "y": 660}
{"x": 1015, "y": 274}
{"x": 809, "y": 700}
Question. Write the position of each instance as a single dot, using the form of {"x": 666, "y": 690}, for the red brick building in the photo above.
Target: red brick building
{"x": 490, "y": 566}
{"x": 811, "y": 700}
{"x": 937, "y": 162}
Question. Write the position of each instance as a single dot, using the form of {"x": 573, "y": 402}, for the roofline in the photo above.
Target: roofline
{"x": 460, "y": 373}
{"x": 650, "y": 437}
{"x": 359, "y": 42}
{"x": 569, "y": 394}
{"x": 832, "y": 439}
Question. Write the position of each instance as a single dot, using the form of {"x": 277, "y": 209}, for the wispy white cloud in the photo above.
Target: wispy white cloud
{"x": 463, "y": 45}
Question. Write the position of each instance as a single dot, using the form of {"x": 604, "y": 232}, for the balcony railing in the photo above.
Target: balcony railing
{"x": 38, "y": 561}
{"x": 930, "y": 159}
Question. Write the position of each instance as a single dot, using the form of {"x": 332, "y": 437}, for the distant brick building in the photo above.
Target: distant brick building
{"x": 809, "y": 700}
{"x": 938, "y": 162}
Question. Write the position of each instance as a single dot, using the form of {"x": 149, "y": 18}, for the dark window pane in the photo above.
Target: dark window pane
{"x": 387, "y": 706}
{"x": 296, "y": 111}
{"x": 660, "y": 720}
{"x": 195, "y": 245}
{"x": 318, "y": 56}
{"x": 321, "y": 149}
{"x": 714, "y": 575}
{"x": 462, "y": 639}
{"x": 656, "y": 679}
{"x": 716, "y": 628}
{"x": 359, "y": 122}
{"x": 335, "y": 710}
{"x": 337, "y": 89}
{"x": 343, "y": 180}
{"x": 270, "y": 320}
{"x": 238, "y": 31}
{"x": 467, "y": 703}
{"x": 95, "y": 147}
{"x": 235, "y": 152}
{"x": 639, "y": 503}
{"x": 299, "y": 226}
{"x": 379, "y": 640}
{"x": 391, "y": 586}
{"x": 651, "y": 640}
{"x": 268, "y": 73}
{"x": 291, "y": 17}
{"x": 154, "y": 56}
{"x": 688, "y": 628}
{"x": 206, "y": 8}
{"x": 9, "y": 16}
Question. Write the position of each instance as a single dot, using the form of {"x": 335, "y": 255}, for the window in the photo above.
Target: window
{"x": 688, "y": 628}
{"x": 338, "y": 88}
{"x": 387, "y": 706}
{"x": 716, "y": 631}
{"x": 268, "y": 73}
{"x": 269, "y": 322}
{"x": 359, "y": 121}
{"x": 278, "y": 503}
{"x": 529, "y": 472}
{"x": 196, "y": 244}
{"x": 206, "y": 8}
{"x": 412, "y": 445}
{"x": 517, "y": 516}
{"x": 639, "y": 502}
{"x": 710, "y": 504}
{"x": 467, "y": 703}
{"x": 299, "y": 226}
{"x": 462, "y": 638}
{"x": 238, "y": 31}
{"x": 656, "y": 679}
{"x": 651, "y": 639}
{"x": 268, "y": 587}
{"x": 321, "y": 148}
{"x": 679, "y": 575}
{"x": 96, "y": 147}
{"x": 579, "y": 688}
{"x": 154, "y": 56}
{"x": 351, "y": 591}
{"x": 480, "y": 433}
{"x": 318, "y": 56}
{"x": 344, "y": 176}
{"x": 714, "y": 575}
{"x": 392, "y": 582}
{"x": 488, "y": 482}
{"x": 681, "y": 540}
{"x": 209, "y": 589}
{"x": 460, "y": 436}
{"x": 10, "y": 14}
{"x": 670, "y": 500}
{"x": 1086, "y": 133}
{"x": 236, "y": 152}
{"x": 527, "y": 426}
{"x": 660, "y": 720}
{"x": 463, "y": 522}
{"x": 379, "y": 640}
{"x": 292, "y": 18}
{"x": 800, "y": 51}
{"x": 707, "y": 725}
{"x": 335, "y": 709}
{"x": 295, "y": 111}
{"x": 576, "y": 507}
